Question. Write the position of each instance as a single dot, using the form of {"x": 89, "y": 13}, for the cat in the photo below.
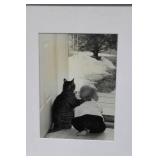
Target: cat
{"x": 62, "y": 110}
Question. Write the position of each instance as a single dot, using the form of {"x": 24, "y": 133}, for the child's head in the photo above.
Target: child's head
{"x": 88, "y": 93}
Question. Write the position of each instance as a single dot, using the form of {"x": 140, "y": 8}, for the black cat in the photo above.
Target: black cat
{"x": 62, "y": 109}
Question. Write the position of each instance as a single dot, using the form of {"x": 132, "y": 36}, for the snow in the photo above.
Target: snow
{"x": 85, "y": 69}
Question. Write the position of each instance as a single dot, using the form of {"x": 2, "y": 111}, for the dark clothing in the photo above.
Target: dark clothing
{"x": 92, "y": 123}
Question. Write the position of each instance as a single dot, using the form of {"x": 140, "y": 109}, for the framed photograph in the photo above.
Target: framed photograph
{"x": 79, "y": 80}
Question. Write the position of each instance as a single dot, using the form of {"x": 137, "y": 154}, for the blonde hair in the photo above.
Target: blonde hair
{"x": 88, "y": 93}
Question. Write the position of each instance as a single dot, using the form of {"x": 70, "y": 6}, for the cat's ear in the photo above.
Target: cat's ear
{"x": 72, "y": 80}
{"x": 64, "y": 80}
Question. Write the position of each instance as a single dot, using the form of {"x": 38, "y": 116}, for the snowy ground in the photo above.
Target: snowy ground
{"x": 86, "y": 70}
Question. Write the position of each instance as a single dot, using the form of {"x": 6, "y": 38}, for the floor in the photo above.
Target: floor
{"x": 108, "y": 134}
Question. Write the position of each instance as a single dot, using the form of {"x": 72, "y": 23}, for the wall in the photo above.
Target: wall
{"x": 53, "y": 68}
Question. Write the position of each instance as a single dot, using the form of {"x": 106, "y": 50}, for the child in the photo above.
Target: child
{"x": 88, "y": 117}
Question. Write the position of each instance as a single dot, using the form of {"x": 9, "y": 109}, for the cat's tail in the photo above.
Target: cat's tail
{"x": 50, "y": 128}
{"x": 53, "y": 128}
{"x": 49, "y": 131}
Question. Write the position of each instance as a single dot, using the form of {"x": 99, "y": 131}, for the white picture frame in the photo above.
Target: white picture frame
{"x": 80, "y": 19}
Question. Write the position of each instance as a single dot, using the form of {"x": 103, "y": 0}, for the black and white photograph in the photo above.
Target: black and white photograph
{"x": 77, "y": 74}
{"x": 79, "y": 92}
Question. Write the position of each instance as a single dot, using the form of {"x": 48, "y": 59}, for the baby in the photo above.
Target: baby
{"x": 88, "y": 117}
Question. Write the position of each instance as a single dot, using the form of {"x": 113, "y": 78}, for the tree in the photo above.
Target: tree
{"x": 97, "y": 43}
